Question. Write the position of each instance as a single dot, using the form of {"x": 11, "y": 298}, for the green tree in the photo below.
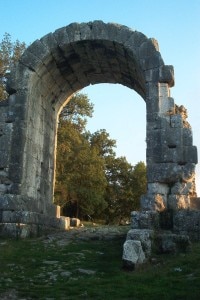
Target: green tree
{"x": 80, "y": 176}
{"x": 119, "y": 193}
{"x": 9, "y": 54}
{"x": 139, "y": 183}
{"x": 125, "y": 183}
{"x": 103, "y": 143}
{"x": 78, "y": 109}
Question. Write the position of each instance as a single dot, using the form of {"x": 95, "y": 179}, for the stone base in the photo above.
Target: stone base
{"x": 187, "y": 222}
{"x": 183, "y": 221}
{"x": 22, "y": 224}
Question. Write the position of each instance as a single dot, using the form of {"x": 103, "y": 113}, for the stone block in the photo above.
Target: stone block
{"x": 187, "y": 137}
{"x": 147, "y": 49}
{"x": 135, "y": 219}
{"x": 188, "y": 172}
{"x": 49, "y": 41}
{"x": 155, "y": 202}
{"x": 164, "y": 172}
{"x": 166, "y": 219}
{"x": 160, "y": 122}
{"x": 65, "y": 222}
{"x": 74, "y": 222}
{"x": 172, "y": 137}
{"x": 3, "y": 188}
{"x": 195, "y": 203}
{"x": 4, "y": 159}
{"x": 166, "y": 105}
{"x": 182, "y": 188}
{"x": 172, "y": 243}
{"x": 133, "y": 254}
{"x": 145, "y": 236}
{"x": 166, "y": 74}
{"x": 152, "y": 75}
{"x": 172, "y": 154}
{"x": 158, "y": 188}
{"x": 145, "y": 220}
{"x": 151, "y": 62}
{"x": 176, "y": 121}
{"x": 176, "y": 202}
{"x": 190, "y": 154}
{"x": 187, "y": 221}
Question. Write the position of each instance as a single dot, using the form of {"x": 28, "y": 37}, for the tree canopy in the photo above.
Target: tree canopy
{"x": 10, "y": 53}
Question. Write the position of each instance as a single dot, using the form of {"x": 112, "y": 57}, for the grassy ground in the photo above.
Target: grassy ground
{"x": 43, "y": 269}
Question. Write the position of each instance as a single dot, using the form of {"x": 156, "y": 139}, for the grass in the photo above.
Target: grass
{"x": 36, "y": 269}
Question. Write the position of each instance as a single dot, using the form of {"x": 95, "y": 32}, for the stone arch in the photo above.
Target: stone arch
{"x": 47, "y": 75}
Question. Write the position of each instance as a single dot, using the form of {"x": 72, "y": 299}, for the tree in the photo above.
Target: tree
{"x": 102, "y": 142}
{"x": 77, "y": 110}
{"x": 139, "y": 182}
{"x": 119, "y": 194}
{"x": 80, "y": 178}
{"x": 9, "y": 55}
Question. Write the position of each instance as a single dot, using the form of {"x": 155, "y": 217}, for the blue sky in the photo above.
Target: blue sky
{"x": 174, "y": 23}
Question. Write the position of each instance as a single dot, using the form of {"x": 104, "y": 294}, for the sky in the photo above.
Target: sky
{"x": 175, "y": 24}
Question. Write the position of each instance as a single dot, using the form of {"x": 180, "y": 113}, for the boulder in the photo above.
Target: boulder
{"x": 133, "y": 254}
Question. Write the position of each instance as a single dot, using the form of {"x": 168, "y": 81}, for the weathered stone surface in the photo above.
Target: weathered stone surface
{"x": 133, "y": 254}
{"x": 187, "y": 222}
{"x": 74, "y": 222}
{"x": 144, "y": 220}
{"x": 176, "y": 202}
{"x": 65, "y": 222}
{"x": 195, "y": 203}
{"x": 145, "y": 236}
{"x": 166, "y": 74}
{"x": 155, "y": 202}
{"x": 172, "y": 243}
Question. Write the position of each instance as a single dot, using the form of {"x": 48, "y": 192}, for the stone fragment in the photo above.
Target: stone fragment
{"x": 65, "y": 222}
{"x": 133, "y": 254}
{"x": 87, "y": 272}
{"x": 65, "y": 274}
{"x": 144, "y": 236}
{"x": 74, "y": 222}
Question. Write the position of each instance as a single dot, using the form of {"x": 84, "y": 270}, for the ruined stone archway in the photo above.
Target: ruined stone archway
{"x": 47, "y": 75}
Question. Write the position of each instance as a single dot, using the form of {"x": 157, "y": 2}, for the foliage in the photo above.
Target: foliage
{"x": 103, "y": 143}
{"x": 80, "y": 181}
{"x": 9, "y": 55}
{"x": 41, "y": 269}
{"x": 90, "y": 179}
{"x": 138, "y": 182}
{"x": 77, "y": 110}
{"x": 125, "y": 185}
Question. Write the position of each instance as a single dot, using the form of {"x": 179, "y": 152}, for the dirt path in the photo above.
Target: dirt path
{"x": 88, "y": 233}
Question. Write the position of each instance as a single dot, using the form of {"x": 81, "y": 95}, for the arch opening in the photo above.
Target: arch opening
{"x": 120, "y": 113}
